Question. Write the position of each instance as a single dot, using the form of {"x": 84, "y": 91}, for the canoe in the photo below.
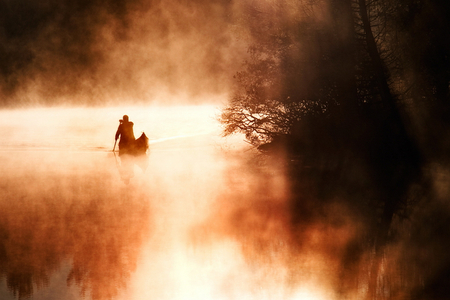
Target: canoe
{"x": 136, "y": 148}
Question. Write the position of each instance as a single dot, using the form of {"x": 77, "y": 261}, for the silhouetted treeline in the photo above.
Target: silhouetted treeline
{"x": 356, "y": 94}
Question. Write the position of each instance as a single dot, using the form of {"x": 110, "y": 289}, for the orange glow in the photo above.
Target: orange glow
{"x": 200, "y": 221}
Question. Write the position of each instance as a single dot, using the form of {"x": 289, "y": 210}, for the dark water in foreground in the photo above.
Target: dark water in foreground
{"x": 199, "y": 218}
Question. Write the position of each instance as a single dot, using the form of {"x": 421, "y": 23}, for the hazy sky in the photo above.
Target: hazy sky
{"x": 90, "y": 51}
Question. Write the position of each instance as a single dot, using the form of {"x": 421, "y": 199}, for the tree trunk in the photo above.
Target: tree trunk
{"x": 393, "y": 148}
{"x": 379, "y": 69}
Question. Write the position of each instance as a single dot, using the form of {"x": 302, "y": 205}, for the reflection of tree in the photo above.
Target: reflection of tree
{"x": 85, "y": 220}
{"x": 31, "y": 243}
{"x": 106, "y": 242}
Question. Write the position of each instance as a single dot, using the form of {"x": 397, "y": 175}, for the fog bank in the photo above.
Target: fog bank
{"x": 115, "y": 51}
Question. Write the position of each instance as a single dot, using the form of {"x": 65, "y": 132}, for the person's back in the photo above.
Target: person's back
{"x": 126, "y": 134}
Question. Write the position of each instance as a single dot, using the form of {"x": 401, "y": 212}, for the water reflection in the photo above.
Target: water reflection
{"x": 332, "y": 236}
{"x": 125, "y": 165}
{"x": 55, "y": 209}
{"x": 202, "y": 220}
{"x": 255, "y": 209}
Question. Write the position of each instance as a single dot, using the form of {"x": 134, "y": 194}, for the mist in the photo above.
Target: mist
{"x": 298, "y": 149}
{"x": 92, "y": 52}
{"x": 350, "y": 97}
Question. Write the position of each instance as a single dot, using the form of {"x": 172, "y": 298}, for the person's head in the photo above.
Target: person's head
{"x": 125, "y": 118}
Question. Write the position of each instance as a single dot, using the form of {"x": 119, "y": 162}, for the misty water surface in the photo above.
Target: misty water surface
{"x": 71, "y": 228}
{"x": 202, "y": 217}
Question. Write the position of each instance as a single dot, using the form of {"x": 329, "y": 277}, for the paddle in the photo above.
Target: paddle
{"x": 114, "y": 148}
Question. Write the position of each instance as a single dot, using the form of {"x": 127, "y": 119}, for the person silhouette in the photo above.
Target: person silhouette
{"x": 126, "y": 135}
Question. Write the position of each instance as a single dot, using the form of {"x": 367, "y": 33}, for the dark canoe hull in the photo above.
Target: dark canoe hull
{"x": 136, "y": 148}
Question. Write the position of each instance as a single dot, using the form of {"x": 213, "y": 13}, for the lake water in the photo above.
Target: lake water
{"x": 200, "y": 217}
{"x": 76, "y": 222}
